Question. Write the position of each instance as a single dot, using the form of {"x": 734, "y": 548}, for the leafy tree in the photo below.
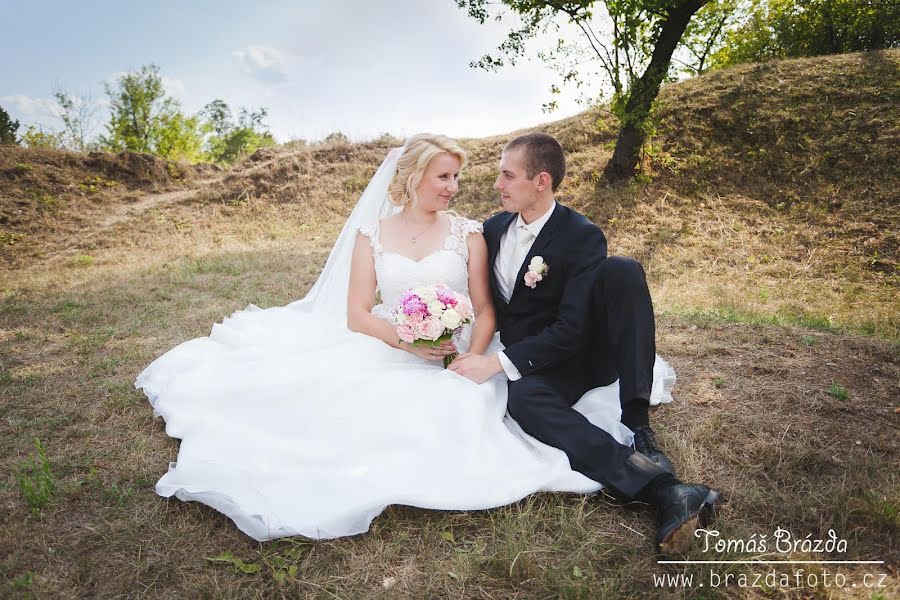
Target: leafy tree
{"x": 136, "y": 104}
{"x": 793, "y": 28}
{"x": 179, "y": 137}
{"x": 8, "y": 128}
{"x": 705, "y": 34}
{"x": 229, "y": 140}
{"x": 218, "y": 117}
{"x": 144, "y": 119}
{"x": 632, "y": 41}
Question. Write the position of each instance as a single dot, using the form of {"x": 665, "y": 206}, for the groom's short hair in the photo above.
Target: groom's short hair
{"x": 543, "y": 153}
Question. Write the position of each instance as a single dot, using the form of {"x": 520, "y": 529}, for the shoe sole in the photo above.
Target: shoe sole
{"x": 680, "y": 539}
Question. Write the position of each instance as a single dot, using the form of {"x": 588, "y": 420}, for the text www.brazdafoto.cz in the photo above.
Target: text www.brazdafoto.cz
{"x": 772, "y": 579}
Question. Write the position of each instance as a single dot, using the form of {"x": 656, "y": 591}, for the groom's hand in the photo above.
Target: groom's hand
{"x": 476, "y": 367}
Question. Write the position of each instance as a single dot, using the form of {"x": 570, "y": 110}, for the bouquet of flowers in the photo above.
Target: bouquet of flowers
{"x": 429, "y": 315}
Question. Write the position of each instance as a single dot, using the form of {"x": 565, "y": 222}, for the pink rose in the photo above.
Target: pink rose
{"x": 429, "y": 329}
{"x": 414, "y": 319}
{"x": 532, "y": 278}
{"x": 464, "y": 309}
{"x": 406, "y": 333}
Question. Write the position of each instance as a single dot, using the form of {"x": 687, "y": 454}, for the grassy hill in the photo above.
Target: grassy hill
{"x": 766, "y": 217}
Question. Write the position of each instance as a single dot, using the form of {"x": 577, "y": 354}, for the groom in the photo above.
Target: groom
{"x": 572, "y": 320}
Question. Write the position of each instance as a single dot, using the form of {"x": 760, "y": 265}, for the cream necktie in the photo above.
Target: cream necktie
{"x": 520, "y": 249}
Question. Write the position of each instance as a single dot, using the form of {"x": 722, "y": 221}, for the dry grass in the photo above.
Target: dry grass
{"x": 761, "y": 308}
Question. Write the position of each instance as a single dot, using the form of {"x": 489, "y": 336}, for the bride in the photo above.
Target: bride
{"x": 310, "y": 418}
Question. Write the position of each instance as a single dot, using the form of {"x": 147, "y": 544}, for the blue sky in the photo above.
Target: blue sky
{"x": 361, "y": 67}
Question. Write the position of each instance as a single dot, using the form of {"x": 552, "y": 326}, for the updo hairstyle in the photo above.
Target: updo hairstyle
{"x": 417, "y": 152}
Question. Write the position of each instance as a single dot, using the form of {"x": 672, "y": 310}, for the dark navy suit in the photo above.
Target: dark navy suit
{"x": 586, "y": 324}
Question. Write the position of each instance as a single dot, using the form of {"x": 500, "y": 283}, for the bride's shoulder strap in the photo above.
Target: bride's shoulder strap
{"x": 371, "y": 232}
{"x": 460, "y": 228}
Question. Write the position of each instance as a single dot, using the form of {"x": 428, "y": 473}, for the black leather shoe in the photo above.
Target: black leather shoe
{"x": 645, "y": 443}
{"x": 680, "y": 510}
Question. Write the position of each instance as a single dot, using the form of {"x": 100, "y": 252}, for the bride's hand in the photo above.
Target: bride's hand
{"x": 429, "y": 353}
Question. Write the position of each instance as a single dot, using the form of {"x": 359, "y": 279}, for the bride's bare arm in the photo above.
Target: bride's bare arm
{"x": 361, "y": 296}
{"x": 361, "y": 299}
{"x": 480, "y": 294}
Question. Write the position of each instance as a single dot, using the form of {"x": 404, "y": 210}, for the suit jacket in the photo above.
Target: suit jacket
{"x": 549, "y": 326}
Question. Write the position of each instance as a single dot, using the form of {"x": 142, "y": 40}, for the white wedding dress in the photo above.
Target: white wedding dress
{"x": 290, "y": 424}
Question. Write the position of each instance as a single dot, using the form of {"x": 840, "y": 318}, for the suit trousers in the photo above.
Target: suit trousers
{"x": 621, "y": 345}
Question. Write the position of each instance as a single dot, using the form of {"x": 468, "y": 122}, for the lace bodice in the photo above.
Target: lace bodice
{"x": 395, "y": 273}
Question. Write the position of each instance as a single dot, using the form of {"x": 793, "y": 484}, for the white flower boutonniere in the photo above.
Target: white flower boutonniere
{"x": 537, "y": 269}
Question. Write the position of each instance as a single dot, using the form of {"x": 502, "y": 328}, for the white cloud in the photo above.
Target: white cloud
{"x": 173, "y": 87}
{"x": 27, "y": 106}
{"x": 264, "y": 64}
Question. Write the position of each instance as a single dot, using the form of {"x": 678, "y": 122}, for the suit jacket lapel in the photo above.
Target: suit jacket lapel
{"x": 494, "y": 249}
{"x": 496, "y": 234}
{"x": 544, "y": 237}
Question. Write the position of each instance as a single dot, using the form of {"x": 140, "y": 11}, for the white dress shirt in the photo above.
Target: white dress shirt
{"x": 515, "y": 243}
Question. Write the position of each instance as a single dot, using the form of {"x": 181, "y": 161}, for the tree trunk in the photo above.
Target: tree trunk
{"x": 644, "y": 91}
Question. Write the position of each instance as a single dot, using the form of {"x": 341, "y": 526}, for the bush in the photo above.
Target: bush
{"x": 8, "y": 128}
{"x": 337, "y": 139}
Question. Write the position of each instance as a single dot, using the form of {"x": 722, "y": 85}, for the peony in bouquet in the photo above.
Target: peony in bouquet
{"x": 429, "y": 315}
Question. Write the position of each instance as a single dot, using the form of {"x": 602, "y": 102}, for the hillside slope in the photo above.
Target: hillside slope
{"x": 766, "y": 257}
{"x": 772, "y": 188}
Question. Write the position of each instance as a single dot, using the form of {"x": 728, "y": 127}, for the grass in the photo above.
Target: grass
{"x": 765, "y": 291}
{"x": 838, "y": 391}
{"x": 36, "y": 481}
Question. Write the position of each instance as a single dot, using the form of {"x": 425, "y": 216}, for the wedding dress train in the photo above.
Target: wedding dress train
{"x": 290, "y": 424}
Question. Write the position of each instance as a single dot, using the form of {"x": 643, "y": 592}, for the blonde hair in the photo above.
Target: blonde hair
{"x": 417, "y": 153}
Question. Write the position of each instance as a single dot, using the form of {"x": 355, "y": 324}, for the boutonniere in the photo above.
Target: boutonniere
{"x": 537, "y": 268}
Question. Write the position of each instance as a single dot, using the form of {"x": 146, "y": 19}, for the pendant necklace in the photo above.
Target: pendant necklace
{"x": 412, "y": 238}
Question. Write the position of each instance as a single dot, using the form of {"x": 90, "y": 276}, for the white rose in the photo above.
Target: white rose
{"x": 451, "y": 319}
{"x": 537, "y": 264}
{"x": 427, "y": 295}
{"x": 436, "y": 308}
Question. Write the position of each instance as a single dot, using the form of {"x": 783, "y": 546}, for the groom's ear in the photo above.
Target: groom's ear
{"x": 544, "y": 181}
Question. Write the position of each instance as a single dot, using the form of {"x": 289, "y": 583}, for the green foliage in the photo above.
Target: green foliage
{"x": 838, "y": 391}
{"x": 136, "y": 104}
{"x": 23, "y": 582}
{"x": 179, "y": 137}
{"x": 144, "y": 119}
{"x": 36, "y": 137}
{"x": 9, "y": 238}
{"x": 239, "y": 565}
{"x": 283, "y": 566}
{"x": 82, "y": 260}
{"x": 705, "y": 33}
{"x": 230, "y": 140}
{"x": 793, "y": 28}
{"x": 36, "y": 481}
{"x": 619, "y": 37}
{"x": 627, "y": 45}
{"x": 8, "y": 128}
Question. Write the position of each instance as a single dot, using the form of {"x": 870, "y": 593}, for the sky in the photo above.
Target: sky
{"x": 362, "y": 67}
